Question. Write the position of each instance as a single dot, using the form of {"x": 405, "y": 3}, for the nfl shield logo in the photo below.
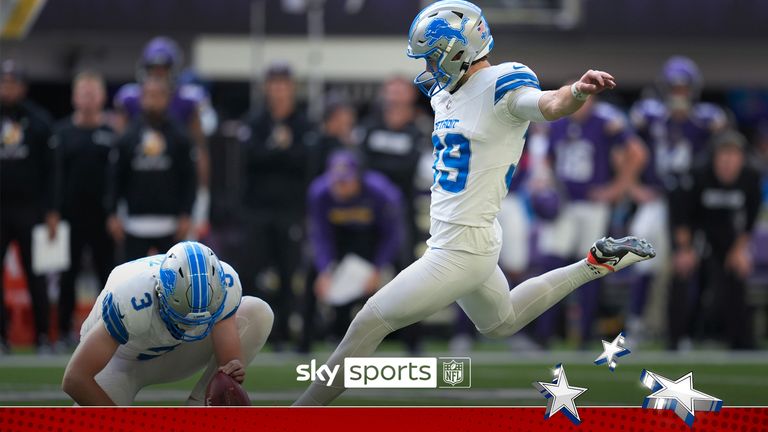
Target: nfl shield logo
{"x": 453, "y": 372}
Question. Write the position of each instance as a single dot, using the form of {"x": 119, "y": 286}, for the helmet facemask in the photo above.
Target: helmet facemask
{"x": 435, "y": 78}
{"x": 192, "y": 327}
{"x": 449, "y": 36}
{"x": 186, "y": 297}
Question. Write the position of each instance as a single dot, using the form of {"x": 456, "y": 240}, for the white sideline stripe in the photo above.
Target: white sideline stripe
{"x": 181, "y": 395}
{"x": 709, "y": 357}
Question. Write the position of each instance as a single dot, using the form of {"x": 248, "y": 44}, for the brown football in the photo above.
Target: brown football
{"x": 223, "y": 390}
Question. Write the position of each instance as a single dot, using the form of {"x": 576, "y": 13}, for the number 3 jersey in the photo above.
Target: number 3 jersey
{"x": 478, "y": 141}
{"x": 128, "y": 308}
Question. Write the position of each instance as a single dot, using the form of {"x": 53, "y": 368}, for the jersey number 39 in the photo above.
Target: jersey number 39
{"x": 451, "y": 165}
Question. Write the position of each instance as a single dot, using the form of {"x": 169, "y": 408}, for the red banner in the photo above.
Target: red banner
{"x": 369, "y": 419}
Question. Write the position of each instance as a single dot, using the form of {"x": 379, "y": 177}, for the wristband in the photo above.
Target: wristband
{"x": 579, "y": 96}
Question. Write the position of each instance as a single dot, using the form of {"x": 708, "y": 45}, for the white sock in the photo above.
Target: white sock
{"x": 365, "y": 334}
{"x": 534, "y": 296}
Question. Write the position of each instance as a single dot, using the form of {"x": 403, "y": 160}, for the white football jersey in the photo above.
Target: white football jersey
{"x": 477, "y": 145}
{"x": 128, "y": 307}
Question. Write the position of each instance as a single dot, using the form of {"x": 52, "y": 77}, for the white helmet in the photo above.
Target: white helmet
{"x": 449, "y": 35}
{"x": 191, "y": 290}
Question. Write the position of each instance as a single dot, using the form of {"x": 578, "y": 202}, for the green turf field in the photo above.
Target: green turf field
{"x": 498, "y": 378}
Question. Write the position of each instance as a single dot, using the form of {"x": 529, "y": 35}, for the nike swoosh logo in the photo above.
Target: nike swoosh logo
{"x": 518, "y": 67}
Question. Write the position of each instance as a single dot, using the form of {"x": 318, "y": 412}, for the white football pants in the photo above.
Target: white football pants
{"x": 122, "y": 378}
{"x": 434, "y": 281}
{"x": 574, "y": 230}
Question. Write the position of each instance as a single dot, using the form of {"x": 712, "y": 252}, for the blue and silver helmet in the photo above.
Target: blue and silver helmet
{"x": 191, "y": 290}
{"x": 449, "y": 35}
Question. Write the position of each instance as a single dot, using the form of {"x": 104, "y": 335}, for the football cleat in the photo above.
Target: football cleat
{"x": 615, "y": 254}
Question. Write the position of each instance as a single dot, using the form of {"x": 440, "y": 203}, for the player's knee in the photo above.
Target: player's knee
{"x": 256, "y": 312}
{"x": 500, "y": 331}
{"x": 369, "y": 319}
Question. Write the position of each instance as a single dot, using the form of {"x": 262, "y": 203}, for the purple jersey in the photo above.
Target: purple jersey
{"x": 674, "y": 145}
{"x": 369, "y": 225}
{"x": 185, "y": 103}
{"x": 581, "y": 150}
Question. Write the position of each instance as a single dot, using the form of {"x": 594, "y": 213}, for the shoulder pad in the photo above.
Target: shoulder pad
{"x": 611, "y": 115}
{"x": 234, "y": 290}
{"x": 127, "y": 92}
{"x": 511, "y": 76}
{"x": 113, "y": 318}
{"x": 646, "y": 110}
{"x": 710, "y": 115}
{"x": 192, "y": 93}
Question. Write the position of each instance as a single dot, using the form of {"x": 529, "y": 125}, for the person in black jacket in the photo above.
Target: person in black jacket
{"x": 153, "y": 171}
{"x": 337, "y": 133}
{"x": 720, "y": 202}
{"x": 25, "y": 166}
{"x": 392, "y": 144}
{"x": 82, "y": 143}
{"x": 276, "y": 157}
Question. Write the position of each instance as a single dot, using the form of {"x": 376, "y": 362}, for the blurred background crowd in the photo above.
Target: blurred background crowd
{"x": 288, "y": 136}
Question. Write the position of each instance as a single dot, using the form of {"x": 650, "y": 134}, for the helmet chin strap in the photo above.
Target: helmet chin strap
{"x": 462, "y": 72}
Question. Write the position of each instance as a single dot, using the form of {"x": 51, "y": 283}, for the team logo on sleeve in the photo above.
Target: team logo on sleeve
{"x": 439, "y": 28}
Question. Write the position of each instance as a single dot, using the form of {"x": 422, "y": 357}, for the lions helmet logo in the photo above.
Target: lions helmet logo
{"x": 439, "y": 28}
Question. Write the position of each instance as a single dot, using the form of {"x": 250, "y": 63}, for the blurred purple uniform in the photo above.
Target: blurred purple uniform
{"x": 369, "y": 225}
{"x": 581, "y": 151}
{"x": 185, "y": 103}
{"x": 674, "y": 145}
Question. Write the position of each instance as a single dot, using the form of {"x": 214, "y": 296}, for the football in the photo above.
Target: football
{"x": 223, "y": 390}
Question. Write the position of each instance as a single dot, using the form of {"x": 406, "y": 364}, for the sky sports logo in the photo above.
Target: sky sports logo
{"x": 393, "y": 372}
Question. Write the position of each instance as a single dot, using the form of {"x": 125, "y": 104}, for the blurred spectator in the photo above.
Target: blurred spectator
{"x": 189, "y": 106}
{"x": 25, "y": 175}
{"x": 154, "y": 173}
{"x": 676, "y": 128}
{"x": 352, "y": 211}
{"x": 595, "y": 157}
{"x": 277, "y": 160}
{"x": 82, "y": 143}
{"x": 720, "y": 201}
{"x": 337, "y": 133}
{"x": 392, "y": 145}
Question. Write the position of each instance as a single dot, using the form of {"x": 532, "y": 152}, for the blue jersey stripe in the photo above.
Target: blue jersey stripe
{"x": 231, "y": 313}
{"x": 517, "y": 81}
{"x": 513, "y": 76}
{"x": 112, "y": 321}
{"x": 164, "y": 348}
{"x": 143, "y": 356}
{"x": 510, "y": 174}
{"x": 512, "y": 86}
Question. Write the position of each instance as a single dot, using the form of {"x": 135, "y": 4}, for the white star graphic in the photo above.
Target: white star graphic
{"x": 679, "y": 396}
{"x": 612, "y": 351}
{"x": 560, "y": 395}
